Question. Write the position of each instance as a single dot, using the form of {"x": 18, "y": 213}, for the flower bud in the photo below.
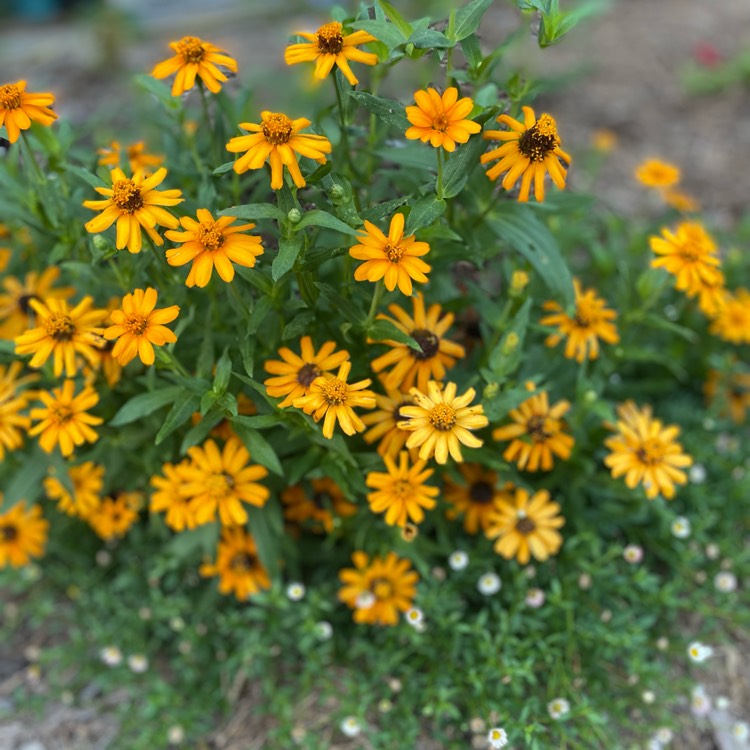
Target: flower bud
{"x": 518, "y": 283}
{"x": 294, "y": 216}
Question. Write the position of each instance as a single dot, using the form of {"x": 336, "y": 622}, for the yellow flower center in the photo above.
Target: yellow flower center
{"x": 243, "y": 562}
{"x": 307, "y": 373}
{"x": 10, "y": 97}
{"x": 481, "y": 492}
{"x": 210, "y": 237}
{"x": 191, "y": 49}
{"x": 402, "y": 489}
{"x": 335, "y": 392}
{"x": 443, "y": 417}
{"x": 8, "y": 533}
{"x": 584, "y": 316}
{"x": 524, "y": 525}
{"x": 126, "y": 195}
{"x": 541, "y": 428}
{"x": 429, "y": 344}
{"x": 539, "y": 139}
{"x": 330, "y": 38}
{"x": 651, "y": 452}
{"x": 277, "y": 128}
{"x": 219, "y": 486}
{"x": 60, "y": 327}
{"x": 61, "y": 414}
{"x": 394, "y": 253}
{"x": 381, "y": 588}
{"x": 441, "y": 122}
{"x": 136, "y": 324}
{"x": 409, "y": 532}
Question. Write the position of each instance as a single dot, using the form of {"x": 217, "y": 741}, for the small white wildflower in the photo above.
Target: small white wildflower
{"x": 723, "y": 703}
{"x": 700, "y": 577}
{"x": 138, "y": 663}
{"x": 32, "y": 653}
{"x": 698, "y": 652}
{"x": 535, "y": 598}
{"x": 681, "y": 527}
{"x": 32, "y": 572}
{"x": 530, "y": 571}
{"x": 558, "y": 708}
{"x": 323, "y": 630}
{"x": 497, "y": 737}
{"x": 145, "y": 613}
{"x": 111, "y": 656}
{"x": 489, "y": 584}
{"x": 365, "y": 600}
{"x": 700, "y": 703}
{"x": 712, "y": 551}
{"x": 662, "y": 643}
{"x": 175, "y": 735}
{"x": 740, "y": 730}
{"x": 395, "y": 684}
{"x": 298, "y": 735}
{"x": 606, "y": 615}
{"x": 350, "y": 726}
{"x": 584, "y": 581}
{"x": 725, "y": 582}
{"x": 103, "y": 558}
{"x": 723, "y": 443}
{"x": 458, "y": 560}
{"x": 385, "y": 706}
{"x": 438, "y": 573}
{"x": 697, "y": 473}
{"x": 67, "y": 698}
{"x": 664, "y": 735}
{"x": 633, "y": 554}
{"x": 648, "y": 696}
{"x": 184, "y": 647}
{"x": 477, "y": 725}
{"x": 177, "y": 624}
{"x": 414, "y": 616}
{"x": 653, "y": 744}
{"x": 295, "y": 591}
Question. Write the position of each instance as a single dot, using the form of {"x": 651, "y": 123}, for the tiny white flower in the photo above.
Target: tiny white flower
{"x": 697, "y": 473}
{"x": 365, "y": 600}
{"x": 664, "y": 735}
{"x": 323, "y": 630}
{"x": 558, "y": 708}
{"x": 584, "y": 581}
{"x": 633, "y": 554}
{"x": 415, "y": 617}
{"x": 350, "y": 726}
{"x": 175, "y": 735}
{"x": 458, "y": 560}
{"x": 725, "y": 582}
{"x": 535, "y": 598}
{"x": 712, "y": 551}
{"x": 138, "y": 663}
{"x": 177, "y": 624}
{"x": 740, "y": 730}
{"x": 395, "y": 684}
{"x": 145, "y": 613}
{"x": 662, "y": 643}
{"x": 111, "y": 656}
{"x": 295, "y": 591}
{"x": 653, "y": 744}
{"x": 606, "y": 615}
{"x": 103, "y": 558}
{"x": 681, "y": 527}
{"x": 385, "y": 706}
{"x": 489, "y": 584}
{"x": 530, "y": 571}
{"x": 497, "y": 737}
{"x": 698, "y": 652}
{"x": 648, "y": 696}
{"x": 722, "y": 703}
{"x": 700, "y": 703}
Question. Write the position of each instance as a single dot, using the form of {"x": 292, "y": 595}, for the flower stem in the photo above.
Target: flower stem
{"x": 376, "y": 295}
{"x": 207, "y": 118}
{"x": 439, "y": 181}
{"x": 30, "y": 160}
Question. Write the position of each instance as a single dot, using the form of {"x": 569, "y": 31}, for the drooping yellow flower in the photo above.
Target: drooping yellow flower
{"x": 646, "y": 452}
{"x": 732, "y": 390}
{"x": 86, "y": 480}
{"x": 296, "y": 373}
{"x": 441, "y": 120}
{"x": 334, "y": 399}
{"x": 138, "y": 327}
{"x": 378, "y": 589}
{"x": 114, "y": 516}
{"x": 195, "y": 58}
{"x": 681, "y": 201}
{"x": 435, "y": 353}
{"x": 477, "y": 498}
{"x": 383, "y": 423}
{"x": 210, "y": 244}
{"x": 732, "y": 321}
{"x": 712, "y": 296}
{"x": 277, "y": 140}
{"x": 23, "y": 535}
{"x": 440, "y": 422}
{"x": 401, "y": 492}
{"x": 526, "y": 526}
{"x": 18, "y": 109}
{"x": 690, "y": 255}
{"x": 655, "y": 173}
{"x": 64, "y": 419}
{"x": 63, "y": 333}
{"x": 237, "y": 564}
{"x": 394, "y": 258}
{"x": 16, "y": 314}
{"x": 222, "y": 480}
{"x": 536, "y": 434}
{"x": 135, "y": 153}
{"x": 13, "y": 400}
{"x": 319, "y": 507}
{"x": 134, "y": 204}
{"x": 531, "y": 150}
{"x": 591, "y": 321}
{"x": 327, "y": 47}
{"x": 169, "y": 497}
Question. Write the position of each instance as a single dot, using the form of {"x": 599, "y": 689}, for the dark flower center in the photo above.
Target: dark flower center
{"x": 330, "y": 38}
{"x": 243, "y": 561}
{"x": 541, "y": 428}
{"x": 322, "y": 500}
{"x": 442, "y": 417}
{"x": 307, "y": 373}
{"x": 8, "y": 533}
{"x": 191, "y": 49}
{"x": 428, "y": 342}
{"x": 210, "y": 237}
{"x": 126, "y": 195}
{"x": 481, "y": 492}
{"x": 539, "y": 139}
{"x": 60, "y": 327}
{"x": 524, "y": 525}
{"x": 277, "y": 128}
{"x": 23, "y": 302}
{"x": 651, "y": 452}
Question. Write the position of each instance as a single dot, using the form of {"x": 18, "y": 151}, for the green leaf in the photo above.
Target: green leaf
{"x": 198, "y": 432}
{"x": 86, "y": 176}
{"x": 266, "y": 527}
{"x": 195, "y": 543}
{"x": 469, "y": 17}
{"x": 258, "y": 315}
{"x": 182, "y": 410}
{"x": 384, "y": 330}
{"x": 160, "y": 90}
{"x": 507, "y": 355}
{"x": 254, "y": 211}
{"x": 223, "y": 372}
{"x": 472, "y": 51}
{"x": 260, "y": 449}
{"x": 144, "y": 404}
{"x": 387, "y": 110}
{"x": 403, "y": 25}
{"x": 381, "y": 210}
{"x": 298, "y": 325}
{"x": 463, "y": 160}
{"x": 387, "y": 33}
{"x": 430, "y": 39}
{"x": 289, "y": 250}
{"x": 423, "y": 213}
{"x": 227, "y": 166}
{"x": 259, "y": 421}
{"x": 317, "y": 218}
{"x": 26, "y": 483}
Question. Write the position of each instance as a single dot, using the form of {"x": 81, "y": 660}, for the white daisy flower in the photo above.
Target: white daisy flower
{"x": 648, "y": 696}
{"x": 722, "y": 703}
{"x": 175, "y": 735}
{"x": 558, "y": 708}
{"x": 697, "y": 473}
{"x": 323, "y": 630}
{"x": 664, "y": 735}
{"x": 489, "y": 584}
{"x": 725, "y": 582}
{"x": 414, "y": 616}
{"x": 681, "y": 527}
{"x": 740, "y": 730}
{"x": 633, "y": 554}
{"x": 295, "y": 591}
{"x": 111, "y": 656}
{"x": 458, "y": 560}
{"x": 350, "y": 726}
{"x": 700, "y": 703}
{"x": 698, "y": 652}
{"x": 534, "y": 598}
{"x": 138, "y": 663}
{"x": 712, "y": 551}
{"x": 497, "y": 737}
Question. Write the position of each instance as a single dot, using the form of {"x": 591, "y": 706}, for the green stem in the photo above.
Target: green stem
{"x": 439, "y": 182}
{"x": 207, "y": 118}
{"x": 376, "y": 295}
{"x": 30, "y": 160}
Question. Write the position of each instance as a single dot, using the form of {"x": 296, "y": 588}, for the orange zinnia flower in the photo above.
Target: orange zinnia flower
{"x": 18, "y": 109}
{"x": 441, "y": 120}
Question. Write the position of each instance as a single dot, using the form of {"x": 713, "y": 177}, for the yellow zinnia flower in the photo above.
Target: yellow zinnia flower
{"x": 18, "y": 109}
{"x": 435, "y": 353}
{"x": 138, "y": 327}
{"x": 169, "y": 498}
{"x": 383, "y": 423}
{"x": 277, "y": 140}
{"x": 327, "y": 47}
{"x": 13, "y": 400}
{"x": 477, "y": 499}
{"x": 590, "y": 322}
{"x": 195, "y": 58}
{"x": 64, "y": 418}
{"x": 135, "y": 153}
{"x": 63, "y": 333}
{"x": 441, "y": 120}
{"x": 537, "y": 433}
{"x": 134, "y": 204}
{"x": 378, "y": 589}
{"x": 401, "y": 492}
{"x": 646, "y": 452}
{"x": 657, "y": 174}
{"x": 734, "y": 396}
{"x": 395, "y": 257}
{"x": 680, "y": 201}
{"x": 333, "y": 398}
{"x": 320, "y": 507}
{"x": 526, "y": 526}
{"x": 732, "y": 320}
{"x": 296, "y": 373}
{"x": 223, "y": 480}
{"x": 213, "y": 244}
{"x": 86, "y": 480}
{"x": 114, "y": 516}
{"x": 532, "y": 149}
{"x": 23, "y": 534}
{"x": 440, "y": 422}
{"x": 237, "y": 564}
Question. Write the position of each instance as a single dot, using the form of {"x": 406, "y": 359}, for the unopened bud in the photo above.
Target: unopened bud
{"x": 511, "y": 343}
{"x": 490, "y": 390}
{"x": 518, "y": 282}
{"x": 336, "y": 192}
{"x": 294, "y": 216}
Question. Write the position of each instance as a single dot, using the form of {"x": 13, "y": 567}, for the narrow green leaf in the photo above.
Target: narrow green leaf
{"x": 384, "y": 330}
{"x": 227, "y": 166}
{"x": 318, "y": 218}
{"x": 144, "y": 404}
{"x": 26, "y": 483}
{"x": 463, "y": 160}
{"x": 182, "y": 410}
{"x": 430, "y": 39}
{"x": 259, "y": 421}
{"x": 258, "y": 315}
{"x": 387, "y": 110}
{"x": 472, "y": 51}
{"x": 260, "y": 449}
{"x": 199, "y": 432}
{"x": 160, "y": 90}
{"x": 254, "y": 211}
{"x": 86, "y": 176}
{"x": 403, "y": 25}
{"x": 469, "y": 17}
{"x": 387, "y": 33}
{"x": 289, "y": 250}
{"x": 381, "y": 210}
{"x": 262, "y": 524}
{"x": 298, "y": 325}
{"x": 223, "y": 372}
{"x": 423, "y": 213}
{"x": 507, "y": 355}
{"x": 195, "y": 543}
